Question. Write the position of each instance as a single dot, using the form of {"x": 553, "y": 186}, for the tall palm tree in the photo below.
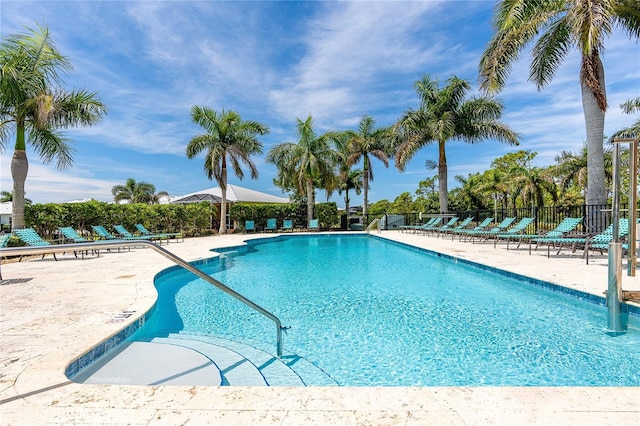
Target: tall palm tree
{"x": 560, "y": 26}
{"x": 136, "y": 192}
{"x": 445, "y": 115}
{"x": 228, "y": 138}
{"x": 368, "y": 141}
{"x": 300, "y": 165}
{"x": 35, "y": 105}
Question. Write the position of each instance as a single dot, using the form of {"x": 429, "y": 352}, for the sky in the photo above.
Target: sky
{"x": 275, "y": 62}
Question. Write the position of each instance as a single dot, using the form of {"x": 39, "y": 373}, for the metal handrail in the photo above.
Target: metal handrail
{"x": 97, "y": 245}
{"x": 370, "y": 226}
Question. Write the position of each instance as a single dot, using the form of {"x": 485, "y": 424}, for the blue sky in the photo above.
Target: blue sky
{"x": 151, "y": 61}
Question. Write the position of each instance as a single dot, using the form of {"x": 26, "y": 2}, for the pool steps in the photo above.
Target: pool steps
{"x": 180, "y": 359}
{"x": 246, "y": 365}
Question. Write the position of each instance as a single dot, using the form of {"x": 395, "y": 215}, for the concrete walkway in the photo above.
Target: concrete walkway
{"x": 52, "y": 312}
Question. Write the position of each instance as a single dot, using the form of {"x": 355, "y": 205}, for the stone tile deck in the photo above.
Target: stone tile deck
{"x": 51, "y": 312}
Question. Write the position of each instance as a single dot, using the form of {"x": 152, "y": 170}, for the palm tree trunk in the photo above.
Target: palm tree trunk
{"x": 346, "y": 205}
{"x": 19, "y": 170}
{"x": 443, "y": 190}
{"x": 223, "y": 206}
{"x": 365, "y": 191}
{"x": 594, "y": 120}
{"x": 310, "y": 199}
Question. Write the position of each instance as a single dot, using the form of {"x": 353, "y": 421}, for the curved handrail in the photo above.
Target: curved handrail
{"x": 97, "y": 245}
{"x": 373, "y": 222}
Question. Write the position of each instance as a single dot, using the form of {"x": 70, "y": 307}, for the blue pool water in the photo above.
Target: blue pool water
{"x": 374, "y": 313}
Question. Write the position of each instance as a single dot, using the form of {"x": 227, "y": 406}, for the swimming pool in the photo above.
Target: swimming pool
{"x": 374, "y": 313}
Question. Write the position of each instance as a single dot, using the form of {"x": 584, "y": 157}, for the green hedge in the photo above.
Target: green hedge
{"x": 190, "y": 219}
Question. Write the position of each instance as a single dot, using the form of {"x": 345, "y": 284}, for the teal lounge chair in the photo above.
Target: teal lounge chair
{"x": 168, "y": 235}
{"x": 568, "y": 224}
{"x": 70, "y": 234}
{"x": 515, "y": 232}
{"x": 461, "y": 225}
{"x": 31, "y": 238}
{"x": 464, "y": 231}
{"x": 287, "y": 225}
{"x": 272, "y": 225}
{"x": 249, "y": 226}
{"x": 103, "y": 234}
{"x": 313, "y": 225}
{"x": 486, "y": 234}
{"x": 598, "y": 242}
{"x": 450, "y": 223}
{"x": 4, "y": 240}
{"x": 432, "y": 224}
{"x": 126, "y": 235}
{"x": 416, "y": 228}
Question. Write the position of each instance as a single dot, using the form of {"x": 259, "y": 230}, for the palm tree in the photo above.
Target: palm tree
{"x": 560, "y": 26}
{"x": 531, "y": 183}
{"x": 228, "y": 138}
{"x": 363, "y": 144}
{"x": 35, "y": 106}
{"x": 443, "y": 115}
{"x": 350, "y": 179}
{"x": 571, "y": 169}
{"x": 307, "y": 163}
{"x": 497, "y": 183}
{"x": 633, "y": 132}
{"x": 136, "y": 192}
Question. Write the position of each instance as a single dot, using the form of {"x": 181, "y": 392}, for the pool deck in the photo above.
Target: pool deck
{"x": 52, "y": 312}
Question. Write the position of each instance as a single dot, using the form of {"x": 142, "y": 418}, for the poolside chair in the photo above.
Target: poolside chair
{"x": 168, "y": 235}
{"x": 464, "y": 231}
{"x": 461, "y": 225}
{"x": 31, "y": 238}
{"x": 272, "y": 225}
{"x": 436, "y": 222}
{"x": 287, "y": 225}
{"x": 568, "y": 225}
{"x": 70, "y": 234}
{"x": 450, "y": 223}
{"x": 485, "y": 234}
{"x": 249, "y": 226}
{"x": 313, "y": 225}
{"x": 126, "y": 235}
{"x": 103, "y": 234}
{"x": 416, "y": 228}
{"x": 4, "y": 240}
{"x": 513, "y": 232}
{"x": 598, "y": 242}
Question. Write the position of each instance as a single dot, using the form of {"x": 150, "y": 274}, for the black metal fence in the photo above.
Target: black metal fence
{"x": 595, "y": 217}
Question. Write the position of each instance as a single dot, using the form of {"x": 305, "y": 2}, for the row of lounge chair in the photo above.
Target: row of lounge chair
{"x": 272, "y": 225}
{"x": 69, "y": 235}
{"x": 563, "y": 235}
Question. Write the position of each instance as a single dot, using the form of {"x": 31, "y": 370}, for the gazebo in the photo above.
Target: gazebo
{"x": 235, "y": 194}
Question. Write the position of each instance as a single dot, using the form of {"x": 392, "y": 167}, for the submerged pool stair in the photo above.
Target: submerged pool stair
{"x": 191, "y": 360}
